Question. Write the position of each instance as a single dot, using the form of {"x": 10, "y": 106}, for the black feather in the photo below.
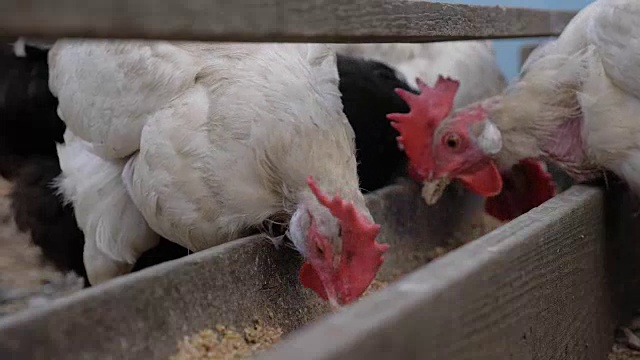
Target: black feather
{"x": 368, "y": 95}
{"x": 28, "y": 119}
{"x": 39, "y": 210}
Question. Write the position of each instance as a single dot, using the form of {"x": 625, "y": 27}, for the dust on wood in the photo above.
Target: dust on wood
{"x": 224, "y": 343}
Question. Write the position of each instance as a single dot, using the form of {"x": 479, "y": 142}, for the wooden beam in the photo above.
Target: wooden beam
{"x": 542, "y": 287}
{"x": 274, "y": 20}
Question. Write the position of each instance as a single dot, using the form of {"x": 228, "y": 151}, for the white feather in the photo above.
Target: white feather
{"x": 610, "y": 95}
{"x": 615, "y": 31}
{"x": 19, "y": 48}
{"x": 107, "y": 90}
{"x": 490, "y": 139}
{"x": 227, "y": 135}
{"x": 115, "y": 232}
{"x": 205, "y": 172}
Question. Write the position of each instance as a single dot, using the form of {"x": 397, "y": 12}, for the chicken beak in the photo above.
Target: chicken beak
{"x": 332, "y": 297}
{"x": 432, "y": 190}
{"x": 333, "y": 304}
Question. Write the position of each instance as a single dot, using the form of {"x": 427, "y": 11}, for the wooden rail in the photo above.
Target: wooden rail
{"x": 274, "y": 20}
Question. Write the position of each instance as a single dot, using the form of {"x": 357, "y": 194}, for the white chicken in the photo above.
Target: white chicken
{"x": 200, "y": 143}
{"x": 576, "y": 103}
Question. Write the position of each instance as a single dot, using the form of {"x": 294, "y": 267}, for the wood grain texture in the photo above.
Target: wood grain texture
{"x": 143, "y": 315}
{"x": 541, "y": 287}
{"x": 274, "y": 20}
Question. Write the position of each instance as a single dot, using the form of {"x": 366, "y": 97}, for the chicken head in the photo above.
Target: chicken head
{"x": 440, "y": 150}
{"x": 341, "y": 275}
{"x": 443, "y": 145}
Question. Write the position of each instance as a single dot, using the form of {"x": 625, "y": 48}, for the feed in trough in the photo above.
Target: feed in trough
{"x": 224, "y": 343}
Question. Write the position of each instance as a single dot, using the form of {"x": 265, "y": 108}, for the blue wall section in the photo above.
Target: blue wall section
{"x": 507, "y": 51}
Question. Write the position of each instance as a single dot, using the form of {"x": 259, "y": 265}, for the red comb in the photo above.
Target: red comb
{"x": 427, "y": 110}
{"x": 361, "y": 254}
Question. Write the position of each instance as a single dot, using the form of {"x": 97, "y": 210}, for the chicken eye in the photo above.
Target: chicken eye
{"x": 452, "y": 141}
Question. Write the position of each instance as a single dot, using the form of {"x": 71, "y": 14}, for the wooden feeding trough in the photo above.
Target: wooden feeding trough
{"x": 143, "y": 315}
{"x": 551, "y": 284}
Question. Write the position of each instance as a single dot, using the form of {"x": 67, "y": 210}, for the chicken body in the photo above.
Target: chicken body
{"x": 199, "y": 143}
{"x": 575, "y": 104}
{"x": 31, "y": 129}
{"x": 603, "y": 131}
{"x": 572, "y": 104}
{"x": 578, "y": 99}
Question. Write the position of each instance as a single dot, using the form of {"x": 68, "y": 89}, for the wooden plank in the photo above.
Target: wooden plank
{"x": 143, "y": 315}
{"x": 274, "y": 20}
{"x": 538, "y": 288}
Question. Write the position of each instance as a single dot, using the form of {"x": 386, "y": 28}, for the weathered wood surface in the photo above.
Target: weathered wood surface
{"x": 548, "y": 285}
{"x": 143, "y": 315}
{"x": 274, "y": 20}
